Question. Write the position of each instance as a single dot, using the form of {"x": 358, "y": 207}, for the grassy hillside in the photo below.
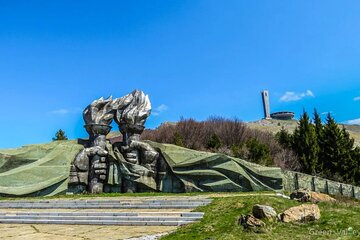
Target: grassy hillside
{"x": 338, "y": 221}
{"x": 274, "y": 126}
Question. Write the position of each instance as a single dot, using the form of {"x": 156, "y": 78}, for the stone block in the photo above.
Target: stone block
{"x": 100, "y": 171}
{"x": 83, "y": 177}
{"x": 100, "y": 166}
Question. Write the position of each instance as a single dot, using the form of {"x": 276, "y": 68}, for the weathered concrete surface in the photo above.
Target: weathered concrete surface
{"x": 95, "y": 232}
{"x": 74, "y": 232}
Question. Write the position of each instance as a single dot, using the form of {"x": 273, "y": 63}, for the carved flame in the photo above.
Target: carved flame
{"x": 137, "y": 111}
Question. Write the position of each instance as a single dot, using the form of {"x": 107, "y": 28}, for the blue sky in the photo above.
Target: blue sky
{"x": 194, "y": 59}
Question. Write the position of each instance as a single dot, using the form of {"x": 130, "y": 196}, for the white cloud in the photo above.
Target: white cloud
{"x": 309, "y": 93}
{"x": 60, "y": 111}
{"x": 158, "y": 110}
{"x": 64, "y": 111}
{"x": 353, "y": 121}
{"x": 357, "y": 98}
{"x": 161, "y": 108}
{"x": 292, "y": 96}
{"x": 326, "y": 113}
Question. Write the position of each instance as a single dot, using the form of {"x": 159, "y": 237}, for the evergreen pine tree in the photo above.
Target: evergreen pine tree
{"x": 338, "y": 152}
{"x": 258, "y": 152}
{"x": 356, "y": 157}
{"x": 284, "y": 138}
{"x": 178, "y": 139}
{"x": 331, "y": 147}
{"x": 318, "y": 124}
{"x": 305, "y": 144}
{"x": 214, "y": 142}
{"x": 350, "y": 165}
{"x": 319, "y": 129}
{"x": 60, "y": 135}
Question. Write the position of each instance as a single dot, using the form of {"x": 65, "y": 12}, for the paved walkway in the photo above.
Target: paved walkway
{"x": 76, "y": 232}
{"x": 69, "y": 216}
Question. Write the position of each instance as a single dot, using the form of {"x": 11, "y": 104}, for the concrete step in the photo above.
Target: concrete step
{"x": 110, "y": 214}
{"x": 112, "y": 200}
{"x": 125, "y": 202}
{"x": 102, "y": 218}
{"x": 94, "y": 204}
{"x": 95, "y": 222}
{"x": 84, "y": 217}
{"x": 100, "y": 206}
{"x": 99, "y": 218}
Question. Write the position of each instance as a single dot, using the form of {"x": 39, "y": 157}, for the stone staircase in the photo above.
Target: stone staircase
{"x": 122, "y": 212}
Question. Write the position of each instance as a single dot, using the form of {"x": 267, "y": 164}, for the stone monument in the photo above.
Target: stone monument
{"x": 118, "y": 166}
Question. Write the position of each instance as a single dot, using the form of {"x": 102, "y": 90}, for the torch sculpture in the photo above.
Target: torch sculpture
{"x": 98, "y": 117}
{"x": 131, "y": 120}
{"x": 134, "y": 159}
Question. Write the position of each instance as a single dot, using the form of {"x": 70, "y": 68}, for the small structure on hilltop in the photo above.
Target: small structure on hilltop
{"x": 283, "y": 115}
{"x": 266, "y": 104}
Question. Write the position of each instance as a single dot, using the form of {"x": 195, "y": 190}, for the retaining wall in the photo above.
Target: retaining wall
{"x": 295, "y": 180}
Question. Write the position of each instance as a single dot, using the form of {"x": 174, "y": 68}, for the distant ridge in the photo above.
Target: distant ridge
{"x": 273, "y": 125}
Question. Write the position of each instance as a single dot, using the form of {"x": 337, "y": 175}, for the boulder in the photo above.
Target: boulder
{"x": 302, "y": 195}
{"x": 251, "y": 223}
{"x": 305, "y": 195}
{"x": 302, "y": 213}
{"x": 320, "y": 197}
{"x": 263, "y": 211}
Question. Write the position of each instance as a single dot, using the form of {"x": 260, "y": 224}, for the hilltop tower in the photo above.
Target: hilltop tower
{"x": 283, "y": 115}
{"x": 266, "y": 104}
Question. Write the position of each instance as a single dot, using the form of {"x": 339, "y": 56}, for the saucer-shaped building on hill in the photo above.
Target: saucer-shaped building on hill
{"x": 283, "y": 115}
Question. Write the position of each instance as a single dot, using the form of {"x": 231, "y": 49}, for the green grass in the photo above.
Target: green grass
{"x": 220, "y": 221}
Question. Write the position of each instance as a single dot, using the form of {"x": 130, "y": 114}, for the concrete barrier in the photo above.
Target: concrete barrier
{"x": 295, "y": 180}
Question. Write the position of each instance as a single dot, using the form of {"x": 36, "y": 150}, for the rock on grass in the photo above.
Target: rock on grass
{"x": 263, "y": 211}
{"x": 302, "y": 213}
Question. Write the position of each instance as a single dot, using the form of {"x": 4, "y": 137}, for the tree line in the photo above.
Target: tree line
{"x": 323, "y": 148}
